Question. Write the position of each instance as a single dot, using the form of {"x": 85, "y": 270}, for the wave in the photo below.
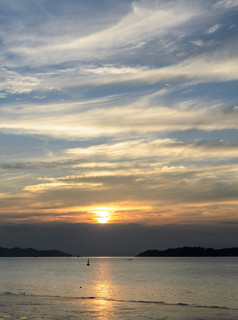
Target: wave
{"x": 179, "y": 304}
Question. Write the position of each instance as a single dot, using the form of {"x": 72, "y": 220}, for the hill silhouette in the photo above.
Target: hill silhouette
{"x": 191, "y": 252}
{"x": 30, "y": 252}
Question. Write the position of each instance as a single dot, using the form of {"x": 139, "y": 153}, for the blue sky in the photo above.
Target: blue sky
{"x": 125, "y": 107}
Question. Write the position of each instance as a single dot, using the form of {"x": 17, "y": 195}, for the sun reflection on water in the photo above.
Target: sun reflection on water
{"x": 104, "y": 284}
{"x": 102, "y": 303}
{"x": 103, "y": 290}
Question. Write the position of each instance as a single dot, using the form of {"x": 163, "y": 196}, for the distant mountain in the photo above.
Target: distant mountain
{"x": 191, "y": 252}
{"x": 30, "y": 252}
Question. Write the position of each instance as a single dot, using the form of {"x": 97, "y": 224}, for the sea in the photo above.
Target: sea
{"x": 125, "y": 288}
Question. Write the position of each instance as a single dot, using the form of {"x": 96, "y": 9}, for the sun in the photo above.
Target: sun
{"x": 102, "y": 215}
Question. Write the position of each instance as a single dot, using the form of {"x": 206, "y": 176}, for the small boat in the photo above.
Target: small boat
{"x": 88, "y": 263}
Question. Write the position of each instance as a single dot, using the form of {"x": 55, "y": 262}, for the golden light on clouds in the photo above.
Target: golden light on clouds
{"x": 29, "y": 210}
{"x": 118, "y": 213}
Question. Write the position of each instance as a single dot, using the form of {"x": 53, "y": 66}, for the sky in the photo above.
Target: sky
{"x": 118, "y": 124}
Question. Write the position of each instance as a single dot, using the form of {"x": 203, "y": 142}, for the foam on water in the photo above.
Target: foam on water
{"x": 24, "y": 307}
{"x": 120, "y": 300}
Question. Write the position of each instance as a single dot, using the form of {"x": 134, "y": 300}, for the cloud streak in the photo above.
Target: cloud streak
{"x": 74, "y": 120}
{"x": 143, "y": 23}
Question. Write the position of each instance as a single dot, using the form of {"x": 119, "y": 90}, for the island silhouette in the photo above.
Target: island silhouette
{"x": 191, "y": 252}
{"x": 30, "y": 252}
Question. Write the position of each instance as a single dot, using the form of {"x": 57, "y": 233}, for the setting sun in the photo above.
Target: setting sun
{"x": 102, "y": 215}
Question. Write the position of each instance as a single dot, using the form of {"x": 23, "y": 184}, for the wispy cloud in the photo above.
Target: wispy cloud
{"x": 143, "y": 23}
{"x": 174, "y": 150}
{"x": 14, "y": 83}
{"x": 226, "y": 4}
{"x": 202, "y": 69}
{"x": 199, "y": 69}
{"x": 213, "y": 29}
{"x": 140, "y": 116}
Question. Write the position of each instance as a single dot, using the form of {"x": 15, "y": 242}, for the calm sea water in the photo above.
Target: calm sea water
{"x": 119, "y": 288}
